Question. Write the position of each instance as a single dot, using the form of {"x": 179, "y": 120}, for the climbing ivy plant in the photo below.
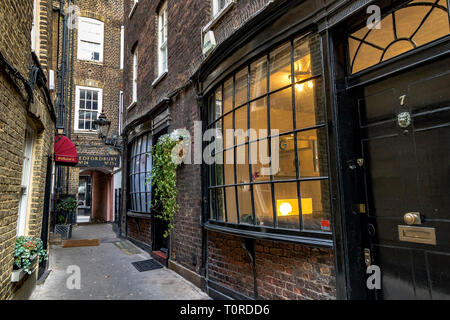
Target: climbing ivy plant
{"x": 167, "y": 154}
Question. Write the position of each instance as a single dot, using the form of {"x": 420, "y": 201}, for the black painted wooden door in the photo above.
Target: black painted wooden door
{"x": 406, "y": 168}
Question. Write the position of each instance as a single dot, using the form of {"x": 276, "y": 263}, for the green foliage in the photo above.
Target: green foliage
{"x": 163, "y": 178}
{"x": 67, "y": 205}
{"x": 26, "y": 250}
{"x": 63, "y": 219}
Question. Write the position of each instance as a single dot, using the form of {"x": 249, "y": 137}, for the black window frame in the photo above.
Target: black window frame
{"x": 133, "y": 174}
{"x": 305, "y": 236}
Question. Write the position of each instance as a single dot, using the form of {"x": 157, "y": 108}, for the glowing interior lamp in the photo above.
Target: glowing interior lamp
{"x": 289, "y": 207}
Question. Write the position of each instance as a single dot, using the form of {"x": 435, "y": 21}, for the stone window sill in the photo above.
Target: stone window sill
{"x": 90, "y": 132}
{"x": 132, "y": 105}
{"x": 158, "y": 80}
{"x": 133, "y": 9}
{"x": 219, "y": 15}
{"x": 139, "y": 215}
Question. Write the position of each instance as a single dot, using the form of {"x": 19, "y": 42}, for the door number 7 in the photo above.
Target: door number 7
{"x": 402, "y": 99}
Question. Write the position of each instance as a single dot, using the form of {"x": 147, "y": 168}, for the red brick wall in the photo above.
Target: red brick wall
{"x": 284, "y": 270}
{"x": 139, "y": 229}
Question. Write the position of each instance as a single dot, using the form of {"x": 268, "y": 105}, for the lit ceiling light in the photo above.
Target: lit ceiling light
{"x": 285, "y": 208}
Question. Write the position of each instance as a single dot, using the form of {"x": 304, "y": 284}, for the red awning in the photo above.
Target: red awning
{"x": 65, "y": 151}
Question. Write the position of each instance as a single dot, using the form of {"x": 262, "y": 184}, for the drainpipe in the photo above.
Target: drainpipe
{"x": 69, "y": 92}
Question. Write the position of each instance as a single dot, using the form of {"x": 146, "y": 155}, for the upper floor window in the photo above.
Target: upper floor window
{"x": 135, "y": 75}
{"x": 162, "y": 40}
{"x": 88, "y": 105}
{"x": 140, "y": 168}
{"x": 218, "y": 5}
{"x": 122, "y": 46}
{"x": 270, "y": 171}
{"x": 90, "y": 39}
{"x": 34, "y": 34}
{"x": 414, "y": 24}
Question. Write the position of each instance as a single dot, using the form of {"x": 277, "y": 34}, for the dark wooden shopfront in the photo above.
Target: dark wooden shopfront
{"x": 393, "y": 134}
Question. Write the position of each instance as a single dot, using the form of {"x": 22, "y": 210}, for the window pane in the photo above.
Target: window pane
{"x": 82, "y": 104}
{"x": 309, "y": 108}
{"x": 88, "y": 104}
{"x": 95, "y": 95}
{"x": 229, "y": 166}
{"x": 258, "y": 118}
{"x": 245, "y": 204}
{"x": 242, "y": 164}
{"x": 81, "y": 120}
{"x": 315, "y": 205}
{"x": 240, "y": 124}
{"x": 228, "y": 95}
{"x": 286, "y": 200}
{"x": 218, "y": 105}
{"x": 258, "y": 78}
{"x": 219, "y": 139}
{"x": 87, "y": 122}
{"x": 307, "y": 58}
{"x": 312, "y": 153}
{"x": 241, "y": 87}
{"x": 228, "y": 130}
{"x": 94, "y": 105}
{"x": 260, "y": 160}
{"x": 280, "y": 67}
{"x": 220, "y": 204}
{"x": 82, "y": 94}
{"x": 286, "y": 158}
{"x": 231, "y": 204}
{"x": 144, "y": 144}
{"x": 212, "y": 204}
{"x": 262, "y": 195}
{"x": 219, "y": 170}
{"x": 281, "y": 117}
{"x": 88, "y": 95}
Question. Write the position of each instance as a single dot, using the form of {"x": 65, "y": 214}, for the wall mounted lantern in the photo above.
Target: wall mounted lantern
{"x": 103, "y": 126}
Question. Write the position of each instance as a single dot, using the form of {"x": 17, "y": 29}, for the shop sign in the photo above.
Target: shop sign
{"x": 88, "y": 160}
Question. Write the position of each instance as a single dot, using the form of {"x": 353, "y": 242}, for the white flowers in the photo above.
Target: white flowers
{"x": 182, "y": 139}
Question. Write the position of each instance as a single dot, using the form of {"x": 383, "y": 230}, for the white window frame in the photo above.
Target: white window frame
{"x": 217, "y": 13}
{"x": 215, "y": 6}
{"x": 77, "y": 105}
{"x": 35, "y": 24}
{"x": 25, "y": 189}
{"x": 135, "y": 3}
{"x": 162, "y": 41}
{"x": 135, "y": 76}
{"x": 85, "y": 38}
{"x": 120, "y": 111}
{"x": 122, "y": 46}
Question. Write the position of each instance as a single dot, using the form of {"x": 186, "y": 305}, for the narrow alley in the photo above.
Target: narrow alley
{"x": 107, "y": 273}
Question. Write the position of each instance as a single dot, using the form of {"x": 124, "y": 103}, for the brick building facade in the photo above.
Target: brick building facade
{"x": 309, "y": 73}
{"x": 27, "y": 123}
{"x": 214, "y": 261}
{"x": 96, "y": 88}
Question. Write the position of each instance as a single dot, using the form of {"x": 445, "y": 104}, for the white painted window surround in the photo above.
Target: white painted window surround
{"x": 135, "y": 75}
{"x": 218, "y": 5}
{"x": 90, "y": 39}
{"x": 120, "y": 111}
{"x": 88, "y": 106}
{"x": 162, "y": 40}
{"x": 34, "y": 34}
{"x": 25, "y": 189}
{"x": 219, "y": 9}
{"x": 122, "y": 46}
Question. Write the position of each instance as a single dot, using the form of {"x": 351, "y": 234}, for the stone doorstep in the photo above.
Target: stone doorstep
{"x": 55, "y": 239}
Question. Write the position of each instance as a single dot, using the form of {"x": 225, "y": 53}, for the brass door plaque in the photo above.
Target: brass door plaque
{"x": 417, "y": 234}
